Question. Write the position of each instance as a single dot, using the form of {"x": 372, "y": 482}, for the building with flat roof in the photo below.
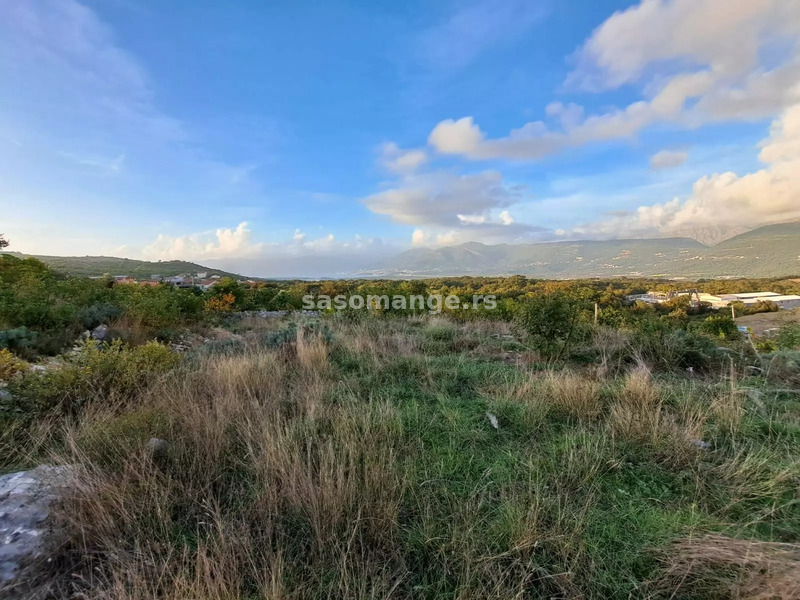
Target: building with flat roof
{"x": 748, "y": 298}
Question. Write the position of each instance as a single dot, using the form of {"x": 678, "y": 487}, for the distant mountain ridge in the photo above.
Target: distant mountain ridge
{"x": 769, "y": 251}
{"x": 95, "y": 266}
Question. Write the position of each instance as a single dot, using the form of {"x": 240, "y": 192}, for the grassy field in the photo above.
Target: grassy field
{"x": 418, "y": 458}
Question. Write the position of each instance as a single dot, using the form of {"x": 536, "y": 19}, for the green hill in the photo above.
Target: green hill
{"x": 93, "y": 266}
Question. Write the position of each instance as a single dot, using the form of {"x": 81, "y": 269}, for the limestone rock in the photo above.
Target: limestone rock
{"x": 100, "y": 333}
{"x": 25, "y": 499}
{"x": 156, "y": 445}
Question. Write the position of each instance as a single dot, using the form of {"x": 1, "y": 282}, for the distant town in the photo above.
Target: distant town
{"x": 199, "y": 280}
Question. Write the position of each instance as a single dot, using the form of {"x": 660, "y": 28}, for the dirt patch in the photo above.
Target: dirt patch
{"x": 761, "y": 322}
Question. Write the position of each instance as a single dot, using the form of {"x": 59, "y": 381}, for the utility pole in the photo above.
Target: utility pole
{"x": 596, "y": 311}
{"x": 733, "y": 312}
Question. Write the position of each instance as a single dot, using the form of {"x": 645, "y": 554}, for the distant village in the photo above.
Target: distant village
{"x": 199, "y": 280}
{"x": 697, "y": 298}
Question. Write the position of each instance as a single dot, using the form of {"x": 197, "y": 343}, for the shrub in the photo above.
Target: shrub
{"x": 220, "y": 304}
{"x": 789, "y": 337}
{"x": 97, "y": 314}
{"x": 10, "y": 365}
{"x": 720, "y": 326}
{"x": 662, "y": 345}
{"x": 549, "y": 319}
{"x": 17, "y": 339}
{"x": 94, "y": 372}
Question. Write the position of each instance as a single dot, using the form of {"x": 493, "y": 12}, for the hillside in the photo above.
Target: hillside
{"x": 89, "y": 266}
{"x": 764, "y": 252}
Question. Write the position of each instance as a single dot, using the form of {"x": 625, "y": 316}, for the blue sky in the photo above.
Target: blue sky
{"x": 309, "y": 137}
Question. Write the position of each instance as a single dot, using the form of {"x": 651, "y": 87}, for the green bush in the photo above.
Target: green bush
{"x": 95, "y": 372}
{"x": 665, "y": 345}
{"x": 789, "y": 337}
{"x": 10, "y": 365}
{"x": 721, "y": 326}
{"x": 550, "y": 320}
{"x": 98, "y": 314}
{"x": 17, "y": 339}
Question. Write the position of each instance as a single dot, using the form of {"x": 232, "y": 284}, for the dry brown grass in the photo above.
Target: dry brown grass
{"x": 639, "y": 416}
{"x": 573, "y": 394}
{"x": 266, "y": 451}
{"x": 614, "y": 347}
{"x": 309, "y": 472}
{"x": 727, "y": 407}
{"x": 377, "y": 342}
{"x": 723, "y": 567}
{"x": 488, "y": 329}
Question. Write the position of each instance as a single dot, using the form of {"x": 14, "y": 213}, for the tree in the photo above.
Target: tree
{"x": 721, "y": 326}
{"x": 550, "y": 321}
{"x": 3, "y": 242}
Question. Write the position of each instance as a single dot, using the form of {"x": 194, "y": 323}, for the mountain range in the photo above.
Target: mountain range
{"x": 769, "y": 251}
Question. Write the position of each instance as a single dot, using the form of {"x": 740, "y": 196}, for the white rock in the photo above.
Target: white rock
{"x": 25, "y": 499}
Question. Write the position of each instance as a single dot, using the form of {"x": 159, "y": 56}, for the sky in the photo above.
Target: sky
{"x": 312, "y": 138}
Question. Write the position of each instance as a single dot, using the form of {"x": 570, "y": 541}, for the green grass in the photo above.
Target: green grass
{"x": 368, "y": 468}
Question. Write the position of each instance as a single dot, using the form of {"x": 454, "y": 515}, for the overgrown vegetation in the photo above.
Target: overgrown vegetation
{"x": 545, "y": 451}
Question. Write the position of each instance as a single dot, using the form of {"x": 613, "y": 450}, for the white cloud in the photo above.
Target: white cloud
{"x": 725, "y": 35}
{"x": 232, "y": 247}
{"x": 442, "y": 198}
{"x": 224, "y": 243}
{"x": 666, "y": 159}
{"x": 699, "y": 61}
{"x": 397, "y": 160}
{"x": 456, "y": 137}
{"x": 448, "y": 208}
{"x": 489, "y": 231}
{"x": 724, "y": 203}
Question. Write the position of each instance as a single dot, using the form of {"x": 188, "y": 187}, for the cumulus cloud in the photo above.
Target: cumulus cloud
{"x": 397, "y": 160}
{"x": 698, "y": 61}
{"x": 724, "y": 203}
{"x": 490, "y": 231}
{"x": 223, "y": 243}
{"x": 449, "y": 208}
{"x": 456, "y": 137}
{"x": 666, "y": 159}
{"x": 726, "y": 35}
{"x": 444, "y": 199}
{"x": 236, "y": 245}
